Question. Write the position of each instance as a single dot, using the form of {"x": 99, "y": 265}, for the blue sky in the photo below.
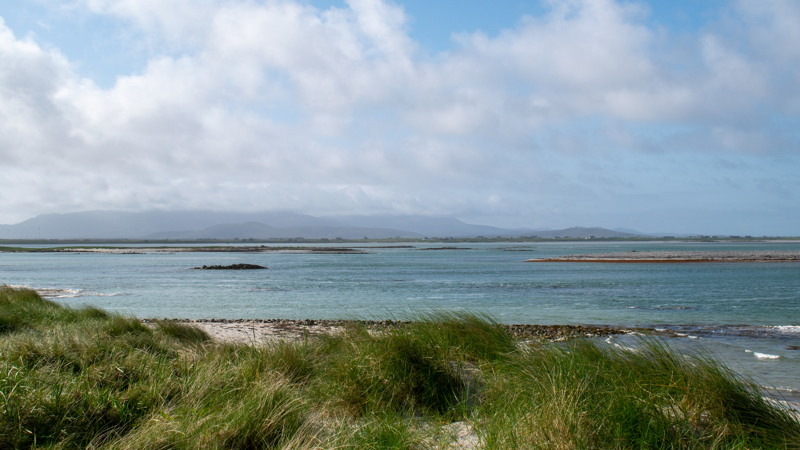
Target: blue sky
{"x": 105, "y": 46}
{"x": 675, "y": 116}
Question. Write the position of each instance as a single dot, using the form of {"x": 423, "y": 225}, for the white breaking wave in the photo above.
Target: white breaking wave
{"x": 763, "y": 355}
{"x": 787, "y": 328}
{"x": 60, "y": 293}
{"x": 609, "y": 341}
{"x": 55, "y": 293}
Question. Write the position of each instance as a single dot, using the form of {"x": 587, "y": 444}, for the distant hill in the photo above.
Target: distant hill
{"x": 264, "y": 225}
{"x": 424, "y": 225}
{"x": 134, "y": 225}
{"x": 581, "y": 232}
{"x": 223, "y": 225}
{"x": 257, "y": 230}
{"x": 630, "y": 231}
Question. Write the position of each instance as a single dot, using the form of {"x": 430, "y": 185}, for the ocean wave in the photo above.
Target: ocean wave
{"x": 60, "y": 293}
{"x": 686, "y": 335}
{"x": 56, "y": 293}
{"x": 763, "y": 355}
{"x": 749, "y": 331}
{"x": 610, "y": 341}
{"x": 787, "y": 328}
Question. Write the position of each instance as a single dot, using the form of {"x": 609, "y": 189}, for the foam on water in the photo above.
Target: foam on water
{"x": 760, "y": 355}
{"x": 65, "y": 293}
{"x": 794, "y": 329}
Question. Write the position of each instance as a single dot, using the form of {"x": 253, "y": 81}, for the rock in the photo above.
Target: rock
{"x": 240, "y": 266}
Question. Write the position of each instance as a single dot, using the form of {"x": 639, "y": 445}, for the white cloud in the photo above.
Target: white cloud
{"x": 31, "y": 80}
{"x": 262, "y": 105}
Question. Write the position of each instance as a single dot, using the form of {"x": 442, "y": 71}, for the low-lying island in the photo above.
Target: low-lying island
{"x": 679, "y": 257}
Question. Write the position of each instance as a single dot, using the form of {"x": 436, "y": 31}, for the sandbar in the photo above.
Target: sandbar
{"x": 679, "y": 257}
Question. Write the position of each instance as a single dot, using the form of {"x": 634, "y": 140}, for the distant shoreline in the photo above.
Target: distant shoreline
{"x": 678, "y": 257}
{"x": 389, "y": 242}
{"x": 206, "y": 249}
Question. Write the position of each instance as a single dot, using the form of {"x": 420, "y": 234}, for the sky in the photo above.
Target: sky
{"x": 677, "y": 116}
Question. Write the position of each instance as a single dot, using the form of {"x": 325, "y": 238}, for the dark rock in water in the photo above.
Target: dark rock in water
{"x": 793, "y": 347}
{"x": 240, "y": 266}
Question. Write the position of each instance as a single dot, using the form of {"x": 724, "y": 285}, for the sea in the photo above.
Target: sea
{"x": 747, "y": 315}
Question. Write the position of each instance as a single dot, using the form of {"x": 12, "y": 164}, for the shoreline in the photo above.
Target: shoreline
{"x": 207, "y": 249}
{"x": 265, "y": 330}
{"x": 260, "y": 330}
{"x": 677, "y": 257}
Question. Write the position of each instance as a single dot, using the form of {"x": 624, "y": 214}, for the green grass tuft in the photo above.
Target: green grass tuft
{"x": 183, "y": 332}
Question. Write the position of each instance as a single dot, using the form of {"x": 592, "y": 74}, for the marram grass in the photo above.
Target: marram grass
{"x": 85, "y": 378}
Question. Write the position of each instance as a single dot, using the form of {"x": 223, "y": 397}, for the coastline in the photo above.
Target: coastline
{"x": 208, "y": 249}
{"x": 690, "y": 338}
{"x": 271, "y": 331}
{"x": 263, "y": 330}
{"x": 256, "y": 331}
{"x": 667, "y": 257}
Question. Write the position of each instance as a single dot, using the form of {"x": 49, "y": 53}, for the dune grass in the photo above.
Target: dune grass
{"x": 84, "y": 378}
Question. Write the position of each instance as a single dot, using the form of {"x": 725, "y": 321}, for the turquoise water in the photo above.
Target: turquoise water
{"x": 490, "y": 278}
{"x": 391, "y": 282}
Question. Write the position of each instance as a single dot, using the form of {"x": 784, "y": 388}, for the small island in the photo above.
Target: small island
{"x": 239, "y": 266}
{"x": 679, "y": 257}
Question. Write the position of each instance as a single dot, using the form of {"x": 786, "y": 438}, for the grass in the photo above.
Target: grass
{"x": 84, "y": 378}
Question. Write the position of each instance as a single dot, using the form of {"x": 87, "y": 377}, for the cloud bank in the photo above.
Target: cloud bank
{"x": 587, "y": 115}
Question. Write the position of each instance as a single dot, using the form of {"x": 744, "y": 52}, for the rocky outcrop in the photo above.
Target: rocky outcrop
{"x": 240, "y": 266}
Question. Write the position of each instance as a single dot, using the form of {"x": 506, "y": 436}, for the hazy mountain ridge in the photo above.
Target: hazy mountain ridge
{"x": 256, "y": 230}
{"x": 263, "y": 225}
{"x": 127, "y": 225}
{"x": 583, "y": 232}
{"x": 424, "y": 225}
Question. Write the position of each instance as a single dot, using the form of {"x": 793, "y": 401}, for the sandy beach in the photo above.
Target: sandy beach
{"x": 271, "y": 330}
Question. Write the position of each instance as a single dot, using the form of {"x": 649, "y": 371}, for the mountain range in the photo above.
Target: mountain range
{"x": 263, "y": 225}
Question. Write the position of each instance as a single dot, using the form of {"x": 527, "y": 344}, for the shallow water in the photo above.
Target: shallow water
{"x": 489, "y": 277}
